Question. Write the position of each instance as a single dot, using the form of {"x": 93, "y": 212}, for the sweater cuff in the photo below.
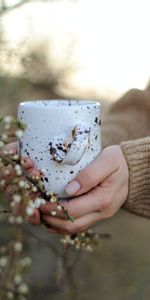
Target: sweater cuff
{"x": 137, "y": 154}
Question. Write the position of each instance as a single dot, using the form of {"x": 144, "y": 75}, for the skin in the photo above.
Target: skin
{"x": 103, "y": 191}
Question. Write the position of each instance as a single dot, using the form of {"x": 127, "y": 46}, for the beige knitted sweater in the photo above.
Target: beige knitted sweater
{"x": 127, "y": 122}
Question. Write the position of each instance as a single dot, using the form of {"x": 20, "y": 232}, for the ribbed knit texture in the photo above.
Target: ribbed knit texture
{"x": 127, "y": 122}
{"x": 137, "y": 154}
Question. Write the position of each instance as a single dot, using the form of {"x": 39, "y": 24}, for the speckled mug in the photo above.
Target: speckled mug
{"x": 61, "y": 137}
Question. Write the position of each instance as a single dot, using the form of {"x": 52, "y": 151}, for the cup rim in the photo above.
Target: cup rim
{"x": 59, "y": 103}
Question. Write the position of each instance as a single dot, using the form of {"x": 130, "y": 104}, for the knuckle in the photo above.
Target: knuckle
{"x": 71, "y": 227}
{"x": 86, "y": 176}
{"x": 105, "y": 203}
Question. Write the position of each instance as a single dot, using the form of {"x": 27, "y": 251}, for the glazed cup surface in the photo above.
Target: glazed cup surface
{"x": 61, "y": 137}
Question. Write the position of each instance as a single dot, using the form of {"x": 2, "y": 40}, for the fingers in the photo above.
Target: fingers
{"x": 66, "y": 226}
{"x": 10, "y": 191}
{"x": 93, "y": 174}
{"x": 35, "y": 219}
{"x": 10, "y": 147}
{"x": 29, "y": 167}
{"x": 95, "y": 200}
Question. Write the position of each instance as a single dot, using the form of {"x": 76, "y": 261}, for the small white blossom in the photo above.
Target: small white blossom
{"x": 10, "y": 152}
{"x": 2, "y": 182}
{"x": 4, "y": 137}
{"x": 16, "y": 157}
{"x": 34, "y": 189}
{"x": 1, "y": 144}
{"x": 59, "y": 207}
{"x": 53, "y": 200}
{"x": 19, "y": 133}
{"x": 17, "y": 167}
{"x": 12, "y": 204}
{"x": 18, "y": 246}
{"x": 31, "y": 204}
{"x": 11, "y": 219}
{"x": 17, "y": 198}
{"x": 38, "y": 202}
{"x": 6, "y": 172}
{"x": 29, "y": 210}
{"x": 53, "y": 212}
{"x": 22, "y": 183}
{"x": 23, "y": 288}
{"x": 3, "y": 261}
{"x": 26, "y": 261}
{"x": 78, "y": 246}
{"x": 83, "y": 234}
{"x": 7, "y": 126}
{"x": 10, "y": 296}
{"x": 89, "y": 248}
{"x": 18, "y": 279}
{"x": 8, "y": 119}
{"x": 48, "y": 193}
{"x": 43, "y": 201}
{"x": 19, "y": 220}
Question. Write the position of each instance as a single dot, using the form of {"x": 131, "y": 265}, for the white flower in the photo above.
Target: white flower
{"x": 26, "y": 261}
{"x": 53, "y": 212}
{"x": 48, "y": 193}
{"x": 4, "y": 137}
{"x": 11, "y": 219}
{"x": 10, "y": 296}
{"x": 53, "y": 200}
{"x": 18, "y": 246}
{"x": 2, "y": 182}
{"x": 16, "y": 157}
{"x": 22, "y": 183}
{"x": 23, "y": 288}
{"x": 8, "y": 119}
{"x": 1, "y": 144}
{"x": 12, "y": 204}
{"x": 38, "y": 202}
{"x": 34, "y": 189}
{"x": 78, "y": 246}
{"x": 59, "y": 207}
{"x": 19, "y": 133}
{"x": 19, "y": 172}
{"x": 3, "y": 261}
{"x": 43, "y": 201}
{"x": 17, "y": 198}
{"x": 18, "y": 279}
{"x": 7, "y": 126}
{"x": 10, "y": 152}
{"x": 6, "y": 172}
{"x": 19, "y": 220}
{"x": 31, "y": 204}
{"x": 89, "y": 248}
{"x": 29, "y": 210}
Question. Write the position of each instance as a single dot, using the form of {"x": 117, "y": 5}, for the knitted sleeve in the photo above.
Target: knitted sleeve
{"x": 127, "y": 122}
{"x": 137, "y": 154}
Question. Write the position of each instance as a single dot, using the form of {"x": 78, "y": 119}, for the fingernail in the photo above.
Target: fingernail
{"x": 72, "y": 187}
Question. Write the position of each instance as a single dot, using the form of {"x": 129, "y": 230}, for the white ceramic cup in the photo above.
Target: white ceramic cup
{"x": 61, "y": 137}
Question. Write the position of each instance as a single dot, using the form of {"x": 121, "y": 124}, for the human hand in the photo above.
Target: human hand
{"x": 9, "y": 189}
{"x": 100, "y": 189}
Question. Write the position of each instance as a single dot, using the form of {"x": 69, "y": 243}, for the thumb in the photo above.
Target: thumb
{"x": 93, "y": 174}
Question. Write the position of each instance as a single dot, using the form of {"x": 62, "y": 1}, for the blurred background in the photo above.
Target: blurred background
{"x": 87, "y": 49}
